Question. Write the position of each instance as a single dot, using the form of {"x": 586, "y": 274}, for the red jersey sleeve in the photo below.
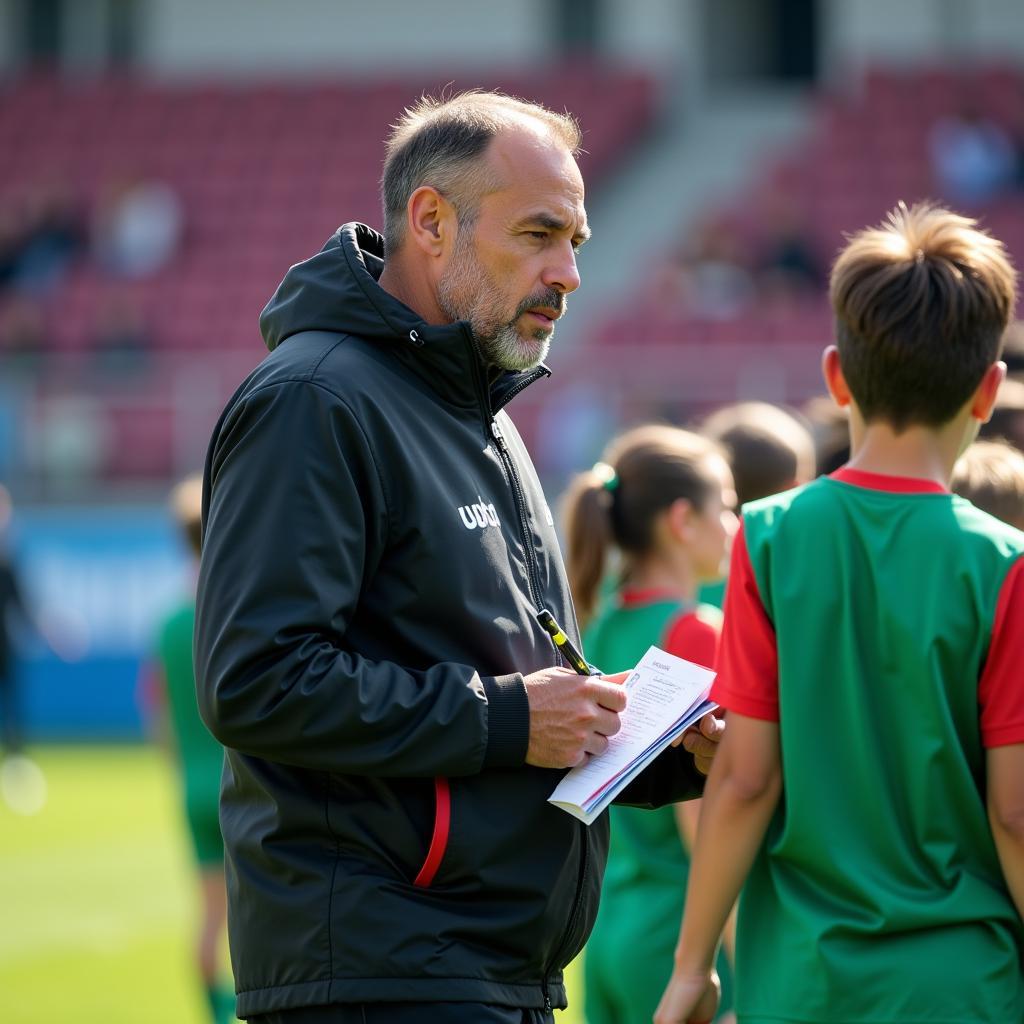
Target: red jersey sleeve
{"x": 694, "y": 639}
{"x": 748, "y": 658}
{"x": 1001, "y": 686}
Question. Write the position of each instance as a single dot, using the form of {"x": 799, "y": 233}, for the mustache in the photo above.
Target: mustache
{"x": 549, "y": 298}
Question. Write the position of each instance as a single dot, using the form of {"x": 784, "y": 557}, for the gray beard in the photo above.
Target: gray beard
{"x": 509, "y": 351}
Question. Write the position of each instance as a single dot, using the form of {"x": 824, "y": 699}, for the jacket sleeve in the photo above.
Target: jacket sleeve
{"x": 295, "y": 518}
{"x": 672, "y": 776}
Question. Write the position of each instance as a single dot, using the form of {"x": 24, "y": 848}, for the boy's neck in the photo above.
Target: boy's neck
{"x": 918, "y": 452}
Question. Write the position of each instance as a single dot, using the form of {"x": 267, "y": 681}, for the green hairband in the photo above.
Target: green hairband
{"x": 606, "y": 476}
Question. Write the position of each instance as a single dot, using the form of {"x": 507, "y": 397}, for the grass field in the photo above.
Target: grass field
{"x": 97, "y": 905}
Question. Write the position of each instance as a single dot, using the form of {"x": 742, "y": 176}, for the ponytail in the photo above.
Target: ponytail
{"x": 586, "y": 511}
{"x": 616, "y": 503}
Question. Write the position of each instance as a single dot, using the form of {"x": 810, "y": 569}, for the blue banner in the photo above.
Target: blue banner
{"x": 98, "y": 582}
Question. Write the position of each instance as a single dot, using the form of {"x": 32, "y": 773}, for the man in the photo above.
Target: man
{"x": 376, "y": 545}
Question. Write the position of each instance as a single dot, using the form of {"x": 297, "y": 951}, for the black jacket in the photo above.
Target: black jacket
{"x": 376, "y": 544}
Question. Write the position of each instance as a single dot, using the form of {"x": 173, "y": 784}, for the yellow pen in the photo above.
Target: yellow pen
{"x": 564, "y": 644}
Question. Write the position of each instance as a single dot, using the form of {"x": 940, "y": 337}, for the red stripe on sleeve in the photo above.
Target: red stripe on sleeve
{"x": 1001, "y": 686}
{"x": 693, "y": 638}
{"x": 748, "y": 658}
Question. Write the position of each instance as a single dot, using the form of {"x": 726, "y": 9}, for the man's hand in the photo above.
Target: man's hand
{"x": 702, "y": 741}
{"x": 571, "y": 716}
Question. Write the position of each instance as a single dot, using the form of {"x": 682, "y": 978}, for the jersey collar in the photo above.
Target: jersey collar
{"x": 885, "y": 482}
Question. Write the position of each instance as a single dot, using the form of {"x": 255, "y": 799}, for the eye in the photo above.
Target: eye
{"x": 538, "y": 234}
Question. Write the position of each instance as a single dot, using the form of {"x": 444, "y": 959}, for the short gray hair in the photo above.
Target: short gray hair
{"x": 439, "y": 142}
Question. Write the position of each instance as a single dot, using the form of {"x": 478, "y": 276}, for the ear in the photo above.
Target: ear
{"x": 430, "y": 221}
{"x": 984, "y": 399}
{"x": 679, "y": 518}
{"x": 832, "y": 371}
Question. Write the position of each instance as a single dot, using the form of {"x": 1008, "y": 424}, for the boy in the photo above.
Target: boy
{"x": 990, "y": 474}
{"x": 870, "y": 664}
{"x": 199, "y": 759}
{"x": 769, "y": 451}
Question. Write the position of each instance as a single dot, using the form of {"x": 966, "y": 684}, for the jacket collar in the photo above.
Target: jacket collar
{"x": 337, "y": 290}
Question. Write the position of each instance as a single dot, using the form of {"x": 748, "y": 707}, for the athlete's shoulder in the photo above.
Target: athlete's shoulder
{"x": 694, "y": 634}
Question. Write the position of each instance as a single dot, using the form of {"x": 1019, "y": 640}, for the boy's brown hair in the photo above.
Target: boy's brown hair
{"x": 921, "y": 305}
{"x": 990, "y": 474}
{"x": 187, "y": 508}
{"x": 769, "y": 449}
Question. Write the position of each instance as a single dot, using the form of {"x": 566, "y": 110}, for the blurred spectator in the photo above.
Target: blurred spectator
{"x": 22, "y": 336}
{"x": 138, "y": 228}
{"x": 40, "y": 245}
{"x": 70, "y": 441}
{"x": 22, "y": 784}
{"x": 11, "y": 239}
{"x": 990, "y": 474}
{"x": 1007, "y": 419}
{"x": 710, "y": 278}
{"x": 121, "y": 341}
{"x": 788, "y": 265}
{"x": 831, "y": 433}
{"x": 973, "y": 158}
{"x": 1013, "y": 349}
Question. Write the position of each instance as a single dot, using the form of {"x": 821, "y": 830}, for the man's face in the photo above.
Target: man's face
{"x": 511, "y": 268}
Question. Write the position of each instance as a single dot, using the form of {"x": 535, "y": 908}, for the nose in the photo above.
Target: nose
{"x": 731, "y": 522}
{"x": 561, "y": 273}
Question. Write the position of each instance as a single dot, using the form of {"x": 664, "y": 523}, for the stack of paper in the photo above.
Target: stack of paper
{"x": 666, "y": 696}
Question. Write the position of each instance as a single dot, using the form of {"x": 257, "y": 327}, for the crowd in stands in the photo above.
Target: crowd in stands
{"x": 141, "y": 222}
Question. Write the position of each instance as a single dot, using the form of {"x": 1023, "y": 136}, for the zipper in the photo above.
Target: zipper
{"x": 574, "y": 914}
{"x": 534, "y": 583}
{"x": 518, "y": 497}
{"x": 524, "y": 524}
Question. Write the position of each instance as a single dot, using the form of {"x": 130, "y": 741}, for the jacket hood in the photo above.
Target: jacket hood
{"x": 336, "y": 290}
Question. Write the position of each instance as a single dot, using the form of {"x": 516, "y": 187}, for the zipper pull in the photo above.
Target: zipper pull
{"x": 498, "y": 435}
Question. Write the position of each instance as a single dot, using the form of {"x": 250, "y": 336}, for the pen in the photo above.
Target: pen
{"x": 564, "y": 644}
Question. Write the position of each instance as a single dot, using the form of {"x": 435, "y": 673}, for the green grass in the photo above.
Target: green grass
{"x": 97, "y": 897}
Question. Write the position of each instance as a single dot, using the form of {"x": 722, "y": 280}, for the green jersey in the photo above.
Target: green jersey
{"x": 201, "y": 757}
{"x": 629, "y": 954}
{"x": 878, "y": 620}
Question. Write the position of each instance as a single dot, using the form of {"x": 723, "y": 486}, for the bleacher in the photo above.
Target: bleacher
{"x": 867, "y": 150}
{"x": 264, "y": 174}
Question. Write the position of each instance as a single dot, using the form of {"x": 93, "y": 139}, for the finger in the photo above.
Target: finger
{"x": 699, "y": 745}
{"x": 703, "y": 764}
{"x": 608, "y": 695}
{"x": 712, "y": 727}
{"x": 607, "y": 723}
{"x": 595, "y": 744}
{"x": 583, "y": 759}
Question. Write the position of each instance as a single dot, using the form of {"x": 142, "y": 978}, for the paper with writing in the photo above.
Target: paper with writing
{"x": 666, "y": 695}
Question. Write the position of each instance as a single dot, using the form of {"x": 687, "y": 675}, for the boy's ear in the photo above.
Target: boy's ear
{"x": 984, "y": 398}
{"x": 834, "y": 379}
{"x": 429, "y": 220}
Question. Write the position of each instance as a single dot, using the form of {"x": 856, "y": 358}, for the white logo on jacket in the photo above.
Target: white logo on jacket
{"x": 478, "y": 515}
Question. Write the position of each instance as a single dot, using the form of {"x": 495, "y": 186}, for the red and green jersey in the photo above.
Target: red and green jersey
{"x": 629, "y": 954}
{"x": 645, "y": 845}
{"x": 878, "y": 620}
